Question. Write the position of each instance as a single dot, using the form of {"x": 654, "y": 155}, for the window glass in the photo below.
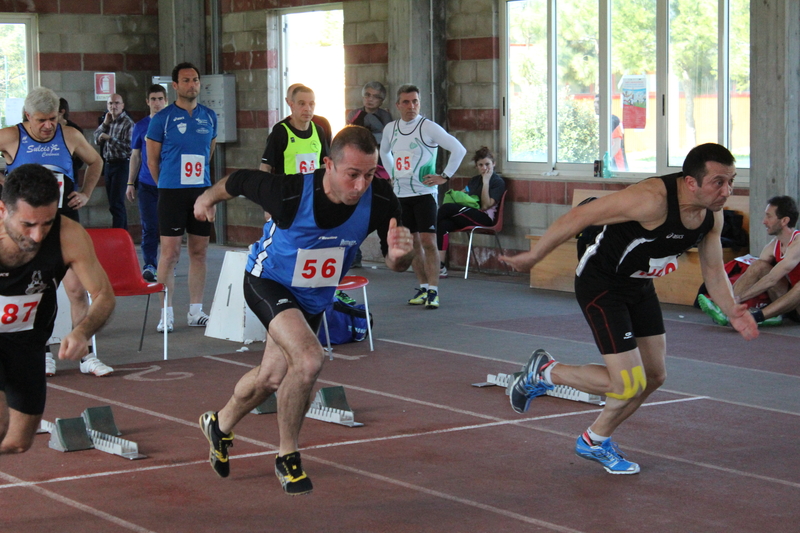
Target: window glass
{"x": 693, "y": 84}
{"x": 527, "y": 81}
{"x": 632, "y": 142}
{"x": 739, "y": 57}
{"x": 576, "y": 56}
{"x": 13, "y": 72}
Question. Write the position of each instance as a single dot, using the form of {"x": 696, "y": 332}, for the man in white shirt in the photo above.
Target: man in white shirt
{"x": 408, "y": 150}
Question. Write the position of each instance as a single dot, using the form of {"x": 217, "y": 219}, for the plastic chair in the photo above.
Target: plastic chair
{"x": 493, "y": 230}
{"x": 349, "y": 283}
{"x": 117, "y": 255}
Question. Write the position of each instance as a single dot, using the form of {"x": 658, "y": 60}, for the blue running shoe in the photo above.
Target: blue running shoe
{"x": 608, "y": 455}
{"x": 529, "y": 384}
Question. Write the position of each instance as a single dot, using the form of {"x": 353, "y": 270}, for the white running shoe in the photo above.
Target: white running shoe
{"x": 170, "y": 323}
{"x": 49, "y": 365}
{"x": 200, "y": 319}
{"x": 92, "y": 365}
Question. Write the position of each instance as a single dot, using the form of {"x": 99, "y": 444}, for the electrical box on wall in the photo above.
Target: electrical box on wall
{"x": 217, "y": 92}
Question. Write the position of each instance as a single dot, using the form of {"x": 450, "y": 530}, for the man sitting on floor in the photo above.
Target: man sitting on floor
{"x": 776, "y": 272}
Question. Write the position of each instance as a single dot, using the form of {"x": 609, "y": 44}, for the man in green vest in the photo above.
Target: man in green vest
{"x": 296, "y": 145}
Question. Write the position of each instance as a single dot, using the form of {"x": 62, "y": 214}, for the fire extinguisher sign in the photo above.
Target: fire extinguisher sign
{"x": 105, "y": 85}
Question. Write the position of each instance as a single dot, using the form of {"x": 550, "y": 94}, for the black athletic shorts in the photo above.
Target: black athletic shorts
{"x": 22, "y": 375}
{"x": 419, "y": 213}
{"x": 65, "y": 209}
{"x": 620, "y": 312}
{"x": 266, "y": 298}
{"x": 176, "y": 213}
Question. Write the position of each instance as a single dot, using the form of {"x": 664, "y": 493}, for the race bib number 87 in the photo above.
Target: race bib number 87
{"x": 18, "y": 313}
{"x": 318, "y": 268}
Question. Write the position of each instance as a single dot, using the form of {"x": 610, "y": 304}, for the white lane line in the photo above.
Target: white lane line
{"x": 377, "y": 392}
{"x": 79, "y": 506}
{"x": 476, "y": 356}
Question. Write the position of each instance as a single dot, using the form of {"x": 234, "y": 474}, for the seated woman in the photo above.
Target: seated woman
{"x": 488, "y": 187}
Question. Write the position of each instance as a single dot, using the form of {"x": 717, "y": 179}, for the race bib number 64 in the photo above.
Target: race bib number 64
{"x": 318, "y": 268}
{"x": 18, "y": 313}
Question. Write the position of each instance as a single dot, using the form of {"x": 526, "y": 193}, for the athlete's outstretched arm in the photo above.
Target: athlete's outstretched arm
{"x": 718, "y": 284}
{"x": 78, "y": 253}
{"x": 643, "y": 202}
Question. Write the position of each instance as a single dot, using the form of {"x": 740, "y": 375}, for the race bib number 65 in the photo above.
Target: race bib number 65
{"x": 18, "y": 313}
{"x": 318, "y": 268}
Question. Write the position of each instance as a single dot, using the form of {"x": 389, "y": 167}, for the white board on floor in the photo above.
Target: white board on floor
{"x": 230, "y": 318}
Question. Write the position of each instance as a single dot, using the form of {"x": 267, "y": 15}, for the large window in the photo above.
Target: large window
{"x": 313, "y": 54}
{"x": 17, "y": 61}
{"x": 636, "y": 83}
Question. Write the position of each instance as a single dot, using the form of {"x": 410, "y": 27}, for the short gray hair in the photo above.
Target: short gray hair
{"x": 375, "y": 86}
{"x": 407, "y": 88}
{"x": 41, "y": 100}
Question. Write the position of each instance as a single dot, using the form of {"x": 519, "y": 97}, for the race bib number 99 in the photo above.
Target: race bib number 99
{"x": 318, "y": 268}
{"x": 18, "y": 313}
{"x": 193, "y": 169}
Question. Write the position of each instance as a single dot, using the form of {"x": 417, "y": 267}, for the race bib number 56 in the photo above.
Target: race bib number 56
{"x": 17, "y": 313}
{"x": 318, "y": 268}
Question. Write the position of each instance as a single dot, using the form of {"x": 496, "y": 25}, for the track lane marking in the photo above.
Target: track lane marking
{"x": 78, "y": 505}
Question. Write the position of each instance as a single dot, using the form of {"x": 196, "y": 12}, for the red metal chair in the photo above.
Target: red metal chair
{"x": 117, "y": 255}
{"x": 489, "y": 230}
{"x": 349, "y": 283}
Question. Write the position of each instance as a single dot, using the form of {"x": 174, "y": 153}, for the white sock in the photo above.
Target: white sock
{"x": 195, "y": 309}
{"x": 170, "y": 314}
{"x": 423, "y": 286}
{"x": 547, "y": 374}
{"x": 599, "y": 439}
{"x": 434, "y": 288}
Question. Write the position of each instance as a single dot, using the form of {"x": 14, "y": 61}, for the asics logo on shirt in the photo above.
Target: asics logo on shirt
{"x": 674, "y": 236}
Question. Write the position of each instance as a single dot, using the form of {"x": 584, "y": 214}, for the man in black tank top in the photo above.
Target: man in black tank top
{"x": 37, "y": 247}
{"x": 644, "y": 229}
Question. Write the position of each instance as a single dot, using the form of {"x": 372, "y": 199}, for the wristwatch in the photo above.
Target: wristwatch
{"x": 445, "y": 176}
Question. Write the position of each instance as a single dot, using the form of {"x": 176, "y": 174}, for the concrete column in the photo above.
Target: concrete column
{"x": 181, "y": 34}
{"x": 417, "y": 41}
{"x": 774, "y": 108}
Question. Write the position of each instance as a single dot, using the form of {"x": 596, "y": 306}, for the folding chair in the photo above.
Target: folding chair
{"x": 489, "y": 230}
{"x": 349, "y": 283}
{"x": 117, "y": 255}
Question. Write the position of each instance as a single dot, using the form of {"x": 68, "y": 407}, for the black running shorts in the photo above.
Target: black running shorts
{"x": 176, "y": 213}
{"x": 22, "y": 375}
{"x": 266, "y": 298}
{"x": 618, "y": 313}
{"x": 419, "y": 213}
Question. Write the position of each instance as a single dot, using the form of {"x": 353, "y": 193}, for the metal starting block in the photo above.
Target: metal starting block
{"x": 270, "y": 405}
{"x": 561, "y": 391}
{"x": 74, "y": 434}
{"x": 329, "y": 405}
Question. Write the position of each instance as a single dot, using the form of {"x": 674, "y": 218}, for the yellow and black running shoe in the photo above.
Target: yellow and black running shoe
{"x": 219, "y": 445}
{"x": 290, "y": 473}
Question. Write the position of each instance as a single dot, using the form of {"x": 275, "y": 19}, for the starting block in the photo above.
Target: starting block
{"x": 329, "y": 405}
{"x": 75, "y": 434}
{"x": 270, "y": 405}
{"x": 561, "y": 391}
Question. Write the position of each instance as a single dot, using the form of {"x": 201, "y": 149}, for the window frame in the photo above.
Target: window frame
{"x": 31, "y": 23}
{"x": 584, "y": 171}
